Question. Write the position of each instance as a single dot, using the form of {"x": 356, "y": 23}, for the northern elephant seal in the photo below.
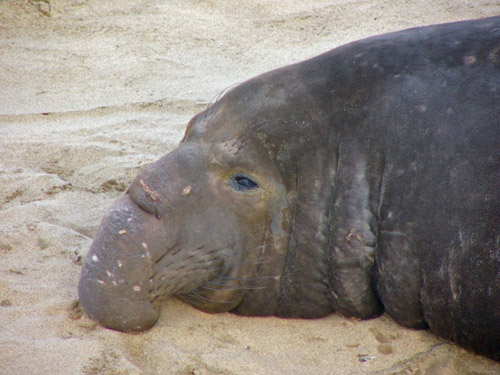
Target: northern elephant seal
{"x": 364, "y": 180}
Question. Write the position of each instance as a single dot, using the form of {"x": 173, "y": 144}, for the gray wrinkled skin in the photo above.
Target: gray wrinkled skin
{"x": 377, "y": 172}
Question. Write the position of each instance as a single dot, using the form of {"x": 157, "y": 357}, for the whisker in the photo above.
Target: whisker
{"x": 216, "y": 98}
{"x": 166, "y": 252}
{"x": 244, "y": 278}
{"x": 256, "y": 127}
{"x": 247, "y": 251}
{"x": 171, "y": 252}
{"x": 194, "y": 294}
{"x": 231, "y": 287}
{"x": 222, "y": 282}
{"x": 236, "y": 255}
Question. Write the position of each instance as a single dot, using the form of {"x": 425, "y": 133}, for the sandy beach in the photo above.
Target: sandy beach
{"x": 94, "y": 91}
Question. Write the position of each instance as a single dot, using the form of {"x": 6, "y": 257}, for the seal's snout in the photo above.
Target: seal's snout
{"x": 117, "y": 283}
{"x": 116, "y": 280}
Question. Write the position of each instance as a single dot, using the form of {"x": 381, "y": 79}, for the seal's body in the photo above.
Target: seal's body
{"x": 364, "y": 180}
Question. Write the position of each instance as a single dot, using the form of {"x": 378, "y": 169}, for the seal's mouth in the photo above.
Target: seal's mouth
{"x": 116, "y": 280}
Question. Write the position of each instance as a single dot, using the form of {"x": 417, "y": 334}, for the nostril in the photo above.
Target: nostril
{"x": 146, "y": 198}
{"x": 148, "y": 207}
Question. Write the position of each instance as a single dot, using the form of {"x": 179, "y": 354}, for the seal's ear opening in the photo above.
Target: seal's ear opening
{"x": 242, "y": 182}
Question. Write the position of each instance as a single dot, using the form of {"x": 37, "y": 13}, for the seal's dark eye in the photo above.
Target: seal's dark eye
{"x": 242, "y": 182}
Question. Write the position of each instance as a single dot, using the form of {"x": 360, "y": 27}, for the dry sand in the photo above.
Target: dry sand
{"x": 99, "y": 89}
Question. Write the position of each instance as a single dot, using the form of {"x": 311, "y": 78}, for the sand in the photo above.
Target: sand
{"x": 98, "y": 89}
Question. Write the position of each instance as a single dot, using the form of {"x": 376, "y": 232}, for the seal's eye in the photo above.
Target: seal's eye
{"x": 241, "y": 182}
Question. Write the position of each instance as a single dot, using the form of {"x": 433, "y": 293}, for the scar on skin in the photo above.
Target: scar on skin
{"x": 186, "y": 190}
{"x": 469, "y": 60}
{"x": 153, "y": 194}
{"x": 351, "y": 233}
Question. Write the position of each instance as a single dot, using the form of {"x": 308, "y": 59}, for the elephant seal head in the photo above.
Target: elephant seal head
{"x": 210, "y": 222}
